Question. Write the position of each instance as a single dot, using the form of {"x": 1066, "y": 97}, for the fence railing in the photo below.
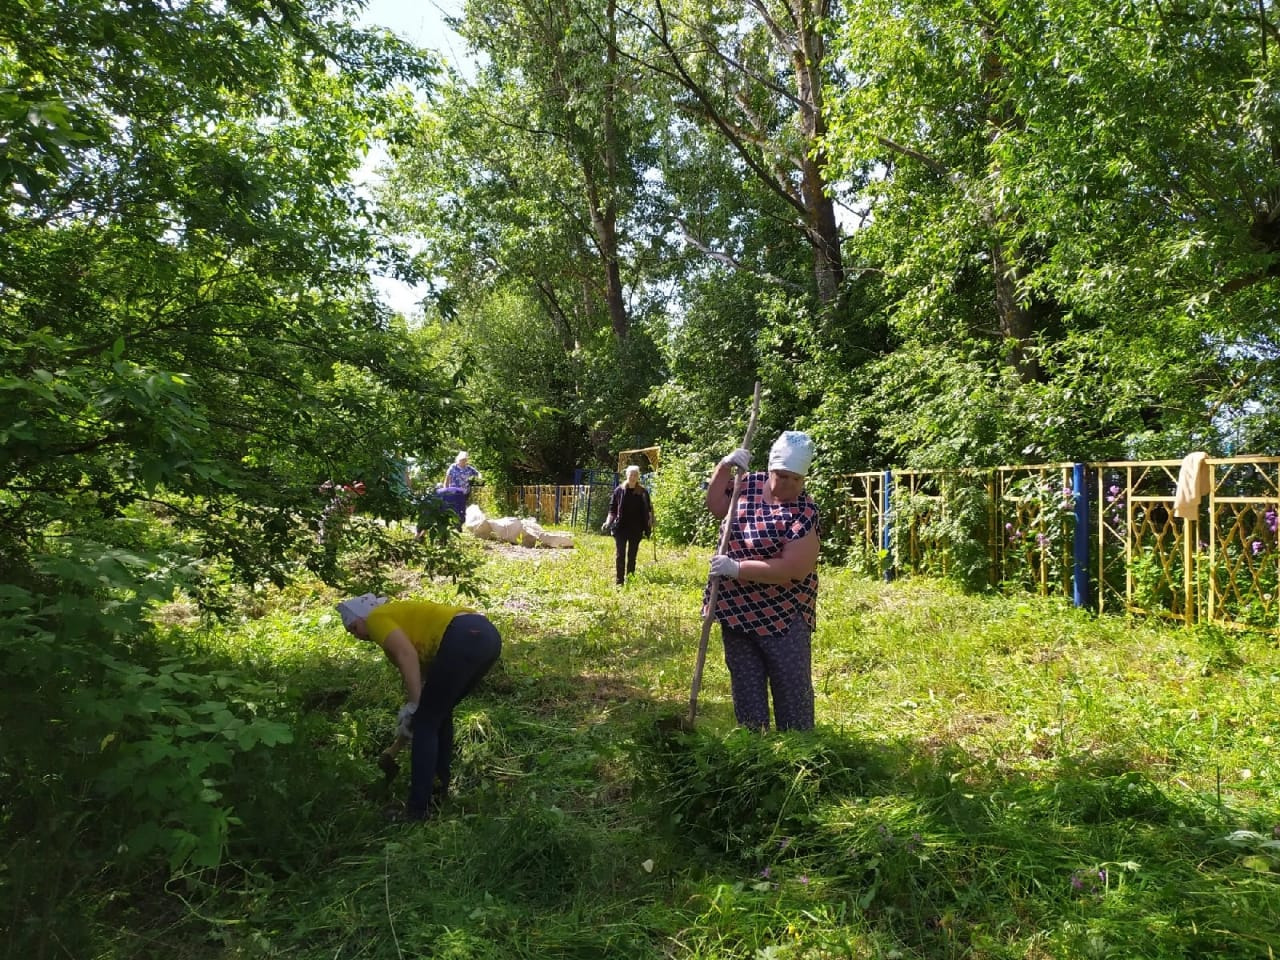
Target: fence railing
{"x": 1102, "y": 534}
{"x": 583, "y": 503}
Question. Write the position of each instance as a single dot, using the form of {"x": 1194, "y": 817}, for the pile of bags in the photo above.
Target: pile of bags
{"x": 518, "y": 530}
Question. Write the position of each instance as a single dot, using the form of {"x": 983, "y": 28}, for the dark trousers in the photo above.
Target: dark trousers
{"x": 780, "y": 665}
{"x": 470, "y": 646}
{"x": 626, "y": 546}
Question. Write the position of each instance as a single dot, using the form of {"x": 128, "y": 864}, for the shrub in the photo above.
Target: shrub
{"x": 679, "y": 499}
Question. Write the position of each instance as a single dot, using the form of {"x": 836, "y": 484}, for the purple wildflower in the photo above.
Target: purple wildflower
{"x": 765, "y": 873}
{"x": 1256, "y": 547}
{"x": 1271, "y": 520}
{"x": 1076, "y": 882}
{"x": 803, "y": 878}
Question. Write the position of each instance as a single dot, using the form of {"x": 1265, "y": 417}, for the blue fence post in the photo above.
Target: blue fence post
{"x": 886, "y": 525}
{"x": 557, "y": 502}
{"x": 1080, "y": 542}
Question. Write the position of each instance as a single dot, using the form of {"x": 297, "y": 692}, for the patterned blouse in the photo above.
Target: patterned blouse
{"x": 459, "y": 476}
{"x": 759, "y": 531}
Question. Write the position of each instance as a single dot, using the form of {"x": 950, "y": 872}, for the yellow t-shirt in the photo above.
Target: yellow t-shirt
{"x": 422, "y": 621}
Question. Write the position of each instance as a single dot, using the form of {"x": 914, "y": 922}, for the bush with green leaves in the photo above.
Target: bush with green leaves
{"x": 943, "y": 536}
{"x": 679, "y": 498}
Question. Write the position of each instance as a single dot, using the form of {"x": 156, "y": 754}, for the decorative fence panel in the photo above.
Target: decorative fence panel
{"x": 1034, "y": 526}
{"x": 1103, "y": 534}
{"x": 1142, "y": 551}
{"x": 582, "y": 503}
{"x": 547, "y": 502}
{"x": 1243, "y": 553}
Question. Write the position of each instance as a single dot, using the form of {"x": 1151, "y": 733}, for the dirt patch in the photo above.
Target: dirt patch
{"x": 517, "y": 552}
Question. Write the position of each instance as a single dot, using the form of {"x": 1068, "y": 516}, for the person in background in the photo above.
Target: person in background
{"x": 461, "y": 474}
{"x": 441, "y": 651}
{"x": 630, "y": 520}
{"x": 767, "y": 599}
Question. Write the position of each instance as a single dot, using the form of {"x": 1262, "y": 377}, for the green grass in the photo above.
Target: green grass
{"x": 990, "y": 778}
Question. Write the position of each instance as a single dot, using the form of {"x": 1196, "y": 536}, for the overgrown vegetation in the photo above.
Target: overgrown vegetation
{"x": 990, "y": 778}
{"x": 623, "y": 221}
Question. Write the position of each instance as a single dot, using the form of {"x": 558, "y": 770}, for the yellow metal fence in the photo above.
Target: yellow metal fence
{"x": 572, "y": 504}
{"x": 1103, "y": 534}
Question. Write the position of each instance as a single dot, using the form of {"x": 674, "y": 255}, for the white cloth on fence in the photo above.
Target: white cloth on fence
{"x": 1194, "y": 479}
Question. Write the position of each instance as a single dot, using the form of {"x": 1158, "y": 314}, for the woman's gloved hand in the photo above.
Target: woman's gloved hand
{"x": 723, "y": 566}
{"x": 740, "y": 458}
{"x": 404, "y": 720}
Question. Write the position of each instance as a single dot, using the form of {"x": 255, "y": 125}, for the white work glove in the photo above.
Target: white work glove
{"x": 740, "y": 458}
{"x": 722, "y": 566}
{"x": 404, "y": 720}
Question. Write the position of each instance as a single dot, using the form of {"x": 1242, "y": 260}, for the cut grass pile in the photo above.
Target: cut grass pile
{"x": 990, "y": 778}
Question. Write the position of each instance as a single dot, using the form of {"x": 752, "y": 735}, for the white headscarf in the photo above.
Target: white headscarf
{"x": 462, "y": 455}
{"x": 357, "y": 608}
{"x": 793, "y": 452}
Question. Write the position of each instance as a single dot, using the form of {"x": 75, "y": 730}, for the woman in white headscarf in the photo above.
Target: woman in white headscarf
{"x": 461, "y": 474}
{"x": 630, "y": 520}
{"x": 767, "y": 601}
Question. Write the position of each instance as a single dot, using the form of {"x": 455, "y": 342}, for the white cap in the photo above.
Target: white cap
{"x": 462, "y": 455}
{"x": 793, "y": 452}
{"x": 357, "y": 608}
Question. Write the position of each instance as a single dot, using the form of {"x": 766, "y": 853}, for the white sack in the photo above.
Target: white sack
{"x": 530, "y": 532}
{"x": 476, "y": 523}
{"x": 506, "y": 529}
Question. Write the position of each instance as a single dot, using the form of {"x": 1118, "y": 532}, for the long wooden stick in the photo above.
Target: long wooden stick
{"x": 713, "y": 590}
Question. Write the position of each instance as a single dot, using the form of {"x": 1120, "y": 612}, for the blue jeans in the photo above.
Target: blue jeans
{"x": 470, "y": 647}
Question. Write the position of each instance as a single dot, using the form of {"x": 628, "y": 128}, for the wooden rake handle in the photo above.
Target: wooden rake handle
{"x": 713, "y": 590}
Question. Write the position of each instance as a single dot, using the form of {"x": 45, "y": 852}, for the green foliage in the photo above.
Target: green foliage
{"x": 944, "y": 535}
{"x": 120, "y": 754}
{"x": 1153, "y": 585}
{"x": 989, "y": 777}
{"x": 524, "y": 184}
{"x": 679, "y": 498}
{"x": 191, "y": 346}
{"x": 743, "y": 794}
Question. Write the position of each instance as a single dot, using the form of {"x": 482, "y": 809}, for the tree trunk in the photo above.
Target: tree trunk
{"x": 821, "y": 226}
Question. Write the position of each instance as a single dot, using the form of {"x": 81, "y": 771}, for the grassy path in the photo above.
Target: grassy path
{"x": 991, "y": 778}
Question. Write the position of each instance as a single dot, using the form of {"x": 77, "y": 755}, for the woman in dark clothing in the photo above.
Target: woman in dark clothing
{"x": 630, "y": 520}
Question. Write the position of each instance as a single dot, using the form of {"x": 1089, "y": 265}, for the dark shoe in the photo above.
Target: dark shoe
{"x": 394, "y": 813}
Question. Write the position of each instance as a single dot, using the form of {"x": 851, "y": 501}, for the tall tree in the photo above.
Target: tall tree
{"x": 754, "y": 77}
{"x": 526, "y": 184}
{"x": 1032, "y": 196}
{"x": 184, "y": 273}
